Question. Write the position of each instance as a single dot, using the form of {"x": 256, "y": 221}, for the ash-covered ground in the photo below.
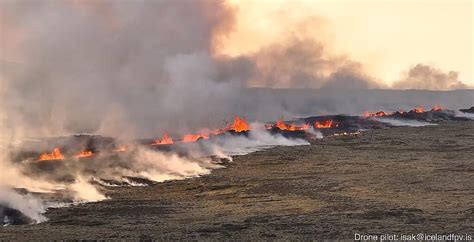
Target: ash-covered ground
{"x": 397, "y": 180}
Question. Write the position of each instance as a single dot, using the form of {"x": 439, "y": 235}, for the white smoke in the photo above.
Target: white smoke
{"x": 315, "y": 133}
{"x": 84, "y": 191}
{"x": 400, "y": 122}
{"x": 143, "y": 161}
{"x": 464, "y": 115}
{"x": 257, "y": 139}
{"x": 158, "y": 166}
{"x": 27, "y": 204}
{"x": 31, "y": 206}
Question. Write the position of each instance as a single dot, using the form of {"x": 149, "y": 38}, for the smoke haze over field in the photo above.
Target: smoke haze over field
{"x": 141, "y": 68}
{"x": 134, "y": 69}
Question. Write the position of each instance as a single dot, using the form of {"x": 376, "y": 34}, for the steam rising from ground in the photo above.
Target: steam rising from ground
{"x": 77, "y": 179}
{"x": 405, "y": 122}
{"x": 158, "y": 166}
{"x": 466, "y": 115}
{"x": 27, "y": 204}
{"x": 257, "y": 139}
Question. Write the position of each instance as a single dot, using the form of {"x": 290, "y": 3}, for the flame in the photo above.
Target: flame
{"x": 165, "y": 140}
{"x": 283, "y": 126}
{"x": 375, "y": 114}
{"x": 436, "y": 108}
{"x": 84, "y": 153}
{"x": 418, "y": 109}
{"x": 55, "y": 155}
{"x": 239, "y": 125}
{"x": 325, "y": 124}
{"x": 280, "y": 124}
{"x": 121, "y": 148}
{"x": 304, "y": 126}
{"x": 194, "y": 137}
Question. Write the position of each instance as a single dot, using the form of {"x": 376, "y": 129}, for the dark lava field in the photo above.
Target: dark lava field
{"x": 397, "y": 180}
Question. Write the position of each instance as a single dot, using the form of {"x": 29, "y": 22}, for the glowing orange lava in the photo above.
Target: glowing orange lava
{"x": 325, "y": 124}
{"x": 55, "y": 155}
{"x": 165, "y": 140}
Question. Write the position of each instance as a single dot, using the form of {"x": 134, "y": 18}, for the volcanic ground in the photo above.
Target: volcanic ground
{"x": 397, "y": 180}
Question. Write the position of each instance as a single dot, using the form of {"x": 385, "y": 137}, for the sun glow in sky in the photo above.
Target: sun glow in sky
{"x": 386, "y": 36}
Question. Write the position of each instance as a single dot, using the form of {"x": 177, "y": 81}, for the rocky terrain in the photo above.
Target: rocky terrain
{"x": 397, "y": 180}
{"x": 467, "y": 110}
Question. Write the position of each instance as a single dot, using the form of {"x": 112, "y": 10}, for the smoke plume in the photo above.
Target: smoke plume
{"x": 140, "y": 69}
{"x": 304, "y": 63}
{"x": 424, "y": 77}
{"x": 117, "y": 67}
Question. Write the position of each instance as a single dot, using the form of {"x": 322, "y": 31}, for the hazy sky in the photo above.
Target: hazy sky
{"x": 387, "y": 37}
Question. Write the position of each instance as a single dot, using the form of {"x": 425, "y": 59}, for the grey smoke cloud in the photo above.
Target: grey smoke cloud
{"x": 304, "y": 63}
{"x": 425, "y": 77}
{"x": 149, "y": 71}
{"x": 141, "y": 68}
